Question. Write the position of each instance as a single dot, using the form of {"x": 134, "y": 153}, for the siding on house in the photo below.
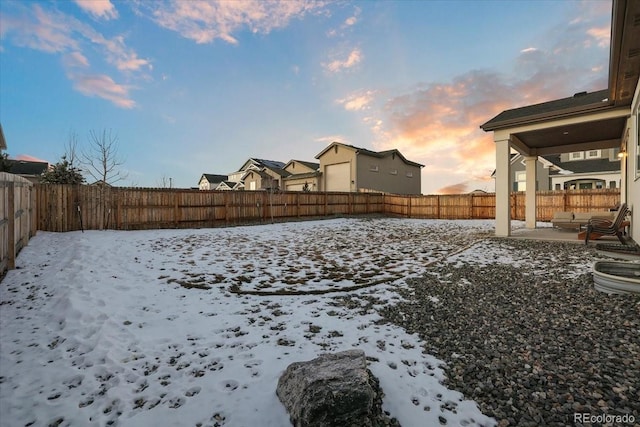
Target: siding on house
{"x": 348, "y": 168}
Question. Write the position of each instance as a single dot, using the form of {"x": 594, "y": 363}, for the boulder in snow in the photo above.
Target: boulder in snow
{"x": 332, "y": 390}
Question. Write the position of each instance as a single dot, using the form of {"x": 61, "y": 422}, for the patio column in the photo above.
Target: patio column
{"x": 531, "y": 163}
{"x": 503, "y": 189}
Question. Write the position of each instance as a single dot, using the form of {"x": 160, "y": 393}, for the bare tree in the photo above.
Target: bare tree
{"x": 71, "y": 149}
{"x": 165, "y": 182}
{"x": 101, "y": 159}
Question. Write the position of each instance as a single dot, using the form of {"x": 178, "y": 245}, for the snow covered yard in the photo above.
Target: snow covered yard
{"x": 194, "y": 327}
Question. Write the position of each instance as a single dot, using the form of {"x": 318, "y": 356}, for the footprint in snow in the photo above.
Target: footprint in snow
{"x": 229, "y": 385}
{"x": 192, "y": 391}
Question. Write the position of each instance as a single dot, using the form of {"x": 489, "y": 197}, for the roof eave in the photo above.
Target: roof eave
{"x": 558, "y": 114}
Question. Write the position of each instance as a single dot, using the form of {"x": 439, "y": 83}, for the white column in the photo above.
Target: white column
{"x": 530, "y": 198}
{"x": 503, "y": 190}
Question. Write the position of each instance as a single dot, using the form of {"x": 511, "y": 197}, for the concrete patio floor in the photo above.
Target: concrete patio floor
{"x": 549, "y": 233}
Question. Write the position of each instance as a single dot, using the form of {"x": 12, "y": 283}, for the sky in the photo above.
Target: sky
{"x": 190, "y": 87}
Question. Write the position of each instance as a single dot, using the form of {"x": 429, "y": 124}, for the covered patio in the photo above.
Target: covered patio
{"x": 583, "y": 122}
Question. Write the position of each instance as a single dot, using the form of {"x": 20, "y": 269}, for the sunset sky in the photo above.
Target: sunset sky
{"x": 195, "y": 87}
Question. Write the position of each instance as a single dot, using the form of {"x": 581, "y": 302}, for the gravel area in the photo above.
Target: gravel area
{"x": 531, "y": 341}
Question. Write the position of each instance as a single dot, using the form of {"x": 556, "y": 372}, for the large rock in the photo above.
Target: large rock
{"x": 332, "y": 390}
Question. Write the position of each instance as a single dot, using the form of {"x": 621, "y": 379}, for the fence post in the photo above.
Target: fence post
{"x": 438, "y": 207}
{"x": 470, "y": 206}
{"x": 175, "y": 209}
{"x": 11, "y": 230}
{"x": 409, "y": 206}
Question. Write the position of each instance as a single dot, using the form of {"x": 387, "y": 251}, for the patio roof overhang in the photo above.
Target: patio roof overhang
{"x": 583, "y": 122}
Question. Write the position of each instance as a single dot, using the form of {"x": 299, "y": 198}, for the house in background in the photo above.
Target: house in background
{"x": 27, "y": 169}
{"x": 348, "y": 168}
{"x": 304, "y": 176}
{"x": 210, "y": 181}
{"x": 269, "y": 174}
{"x": 583, "y": 170}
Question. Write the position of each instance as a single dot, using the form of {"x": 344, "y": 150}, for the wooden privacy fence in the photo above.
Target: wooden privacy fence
{"x": 72, "y": 207}
{"x": 17, "y": 223}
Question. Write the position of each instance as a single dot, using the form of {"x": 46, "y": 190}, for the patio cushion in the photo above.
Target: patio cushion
{"x": 562, "y": 216}
{"x": 582, "y": 216}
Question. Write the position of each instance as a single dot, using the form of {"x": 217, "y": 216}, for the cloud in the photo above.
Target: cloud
{"x": 206, "y": 21}
{"x": 99, "y": 8}
{"x": 357, "y": 101}
{"x": 328, "y": 139}
{"x": 352, "y": 59}
{"x": 51, "y": 31}
{"x": 98, "y": 85}
{"x": 103, "y": 86}
{"x": 602, "y": 35}
{"x": 459, "y": 188}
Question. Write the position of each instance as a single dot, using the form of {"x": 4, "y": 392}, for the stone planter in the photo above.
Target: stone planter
{"x": 617, "y": 277}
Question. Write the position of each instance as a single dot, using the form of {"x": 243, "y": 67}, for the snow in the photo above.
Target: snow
{"x": 194, "y": 327}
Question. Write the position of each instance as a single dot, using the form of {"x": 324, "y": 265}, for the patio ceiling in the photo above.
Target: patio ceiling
{"x": 569, "y": 137}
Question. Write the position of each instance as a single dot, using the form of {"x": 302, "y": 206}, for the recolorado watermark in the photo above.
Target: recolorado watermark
{"x": 585, "y": 417}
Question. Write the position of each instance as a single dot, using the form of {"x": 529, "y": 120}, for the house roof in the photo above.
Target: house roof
{"x": 584, "y": 166}
{"x": 371, "y": 153}
{"x": 213, "y": 178}
{"x": 260, "y": 173}
{"x": 578, "y": 103}
{"x": 310, "y": 165}
{"x": 229, "y": 184}
{"x": 303, "y": 175}
{"x": 271, "y": 164}
{"x": 24, "y": 167}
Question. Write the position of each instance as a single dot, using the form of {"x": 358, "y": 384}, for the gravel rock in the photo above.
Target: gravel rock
{"x": 532, "y": 343}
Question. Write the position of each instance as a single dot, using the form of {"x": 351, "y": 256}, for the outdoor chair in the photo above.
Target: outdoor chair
{"x": 604, "y": 227}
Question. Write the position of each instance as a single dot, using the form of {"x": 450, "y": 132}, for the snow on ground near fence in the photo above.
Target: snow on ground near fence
{"x": 147, "y": 328}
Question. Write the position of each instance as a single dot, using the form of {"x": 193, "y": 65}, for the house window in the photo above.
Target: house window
{"x": 558, "y": 187}
{"x": 409, "y": 174}
{"x": 612, "y": 184}
{"x": 593, "y": 154}
{"x": 521, "y": 181}
{"x": 252, "y": 185}
{"x": 373, "y": 168}
{"x": 600, "y": 185}
{"x": 393, "y": 171}
{"x": 576, "y": 155}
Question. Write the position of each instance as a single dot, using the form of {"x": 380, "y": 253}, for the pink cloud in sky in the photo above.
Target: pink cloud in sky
{"x": 41, "y": 30}
{"x": 104, "y": 87}
{"x": 205, "y": 21}
{"x": 98, "y": 8}
{"x": 357, "y": 101}
{"x": 352, "y": 59}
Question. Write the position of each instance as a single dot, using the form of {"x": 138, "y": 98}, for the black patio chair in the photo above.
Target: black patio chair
{"x": 604, "y": 227}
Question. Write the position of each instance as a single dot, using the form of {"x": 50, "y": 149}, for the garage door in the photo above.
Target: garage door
{"x": 338, "y": 177}
{"x": 295, "y": 187}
